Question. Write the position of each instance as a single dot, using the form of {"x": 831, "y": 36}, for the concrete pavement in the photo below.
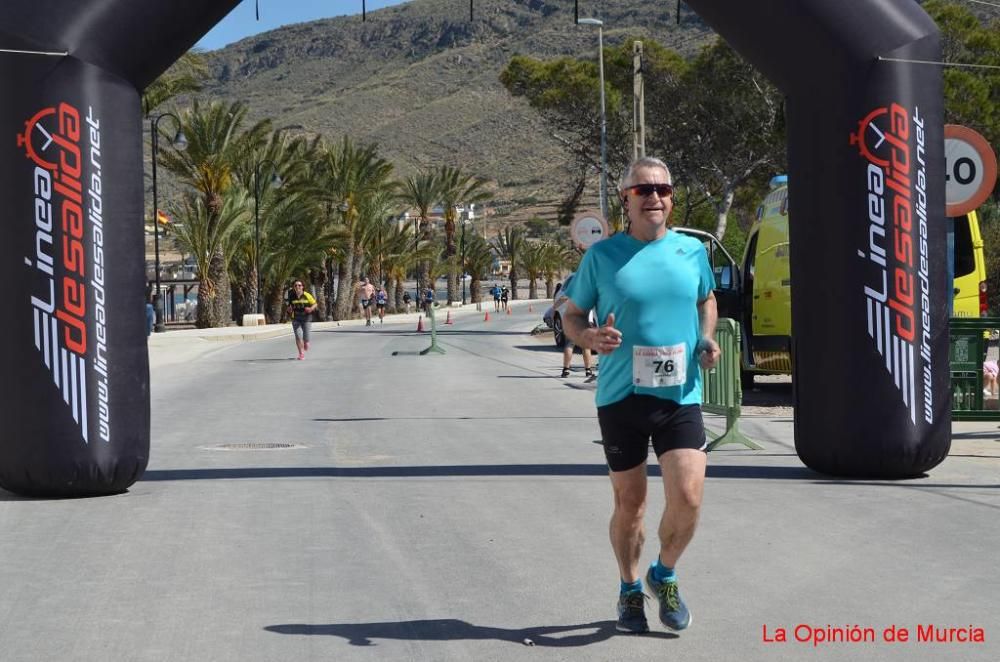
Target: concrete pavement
{"x": 361, "y": 505}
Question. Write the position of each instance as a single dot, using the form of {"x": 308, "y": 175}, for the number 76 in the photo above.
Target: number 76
{"x": 666, "y": 367}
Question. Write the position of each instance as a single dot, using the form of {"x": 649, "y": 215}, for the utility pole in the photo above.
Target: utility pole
{"x": 638, "y": 104}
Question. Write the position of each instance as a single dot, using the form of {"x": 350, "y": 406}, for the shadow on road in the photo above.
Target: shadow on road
{"x": 451, "y": 629}
{"x": 768, "y": 394}
{"x": 377, "y": 331}
{"x": 977, "y": 434}
{"x": 714, "y": 471}
{"x": 537, "y": 417}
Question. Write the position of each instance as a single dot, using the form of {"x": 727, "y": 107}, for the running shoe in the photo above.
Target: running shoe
{"x": 565, "y": 373}
{"x": 674, "y": 613}
{"x": 301, "y": 356}
{"x": 591, "y": 375}
{"x": 632, "y": 613}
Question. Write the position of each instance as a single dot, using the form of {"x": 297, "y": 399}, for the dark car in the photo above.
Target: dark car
{"x": 553, "y": 316}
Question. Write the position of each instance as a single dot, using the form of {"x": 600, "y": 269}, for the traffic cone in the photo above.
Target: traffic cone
{"x": 486, "y": 318}
{"x": 448, "y": 319}
{"x": 420, "y": 323}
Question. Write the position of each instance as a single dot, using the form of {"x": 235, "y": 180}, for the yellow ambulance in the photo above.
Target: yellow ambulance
{"x": 765, "y": 287}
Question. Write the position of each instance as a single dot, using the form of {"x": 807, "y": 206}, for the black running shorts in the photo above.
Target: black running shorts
{"x": 628, "y": 425}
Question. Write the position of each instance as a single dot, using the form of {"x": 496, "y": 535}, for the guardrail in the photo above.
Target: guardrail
{"x": 969, "y": 348}
{"x": 721, "y": 390}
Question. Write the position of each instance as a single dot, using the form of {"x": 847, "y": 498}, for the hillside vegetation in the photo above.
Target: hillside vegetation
{"x": 421, "y": 81}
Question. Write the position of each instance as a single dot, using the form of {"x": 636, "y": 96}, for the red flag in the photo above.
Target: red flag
{"x": 162, "y": 218}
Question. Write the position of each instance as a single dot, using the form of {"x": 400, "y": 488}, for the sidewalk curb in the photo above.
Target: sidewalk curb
{"x": 247, "y": 337}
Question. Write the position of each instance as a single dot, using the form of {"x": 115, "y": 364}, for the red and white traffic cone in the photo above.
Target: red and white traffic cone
{"x": 486, "y": 318}
{"x": 420, "y": 323}
{"x": 448, "y": 319}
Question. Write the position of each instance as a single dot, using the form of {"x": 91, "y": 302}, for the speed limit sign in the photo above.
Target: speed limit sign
{"x": 971, "y": 169}
{"x": 587, "y": 229}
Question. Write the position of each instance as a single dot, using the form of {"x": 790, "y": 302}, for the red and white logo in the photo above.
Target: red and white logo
{"x": 892, "y": 140}
{"x": 67, "y": 291}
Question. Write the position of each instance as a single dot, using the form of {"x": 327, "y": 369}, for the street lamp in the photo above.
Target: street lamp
{"x": 180, "y": 143}
{"x": 462, "y": 275}
{"x": 604, "y": 123}
{"x": 275, "y": 183}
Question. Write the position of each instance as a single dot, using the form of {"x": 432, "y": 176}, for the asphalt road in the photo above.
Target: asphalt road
{"x": 361, "y": 505}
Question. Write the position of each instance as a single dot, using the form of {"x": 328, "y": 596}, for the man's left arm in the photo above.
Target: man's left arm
{"x": 708, "y": 349}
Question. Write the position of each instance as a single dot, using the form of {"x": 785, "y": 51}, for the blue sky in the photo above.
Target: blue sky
{"x": 242, "y": 21}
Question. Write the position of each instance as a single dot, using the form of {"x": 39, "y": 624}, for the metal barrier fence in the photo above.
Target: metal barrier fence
{"x": 721, "y": 390}
{"x": 970, "y": 347}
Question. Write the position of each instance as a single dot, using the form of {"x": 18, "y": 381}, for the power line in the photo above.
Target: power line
{"x": 940, "y": 64}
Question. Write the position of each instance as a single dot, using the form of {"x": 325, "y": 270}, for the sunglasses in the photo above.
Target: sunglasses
{"x": 646, "y": 190}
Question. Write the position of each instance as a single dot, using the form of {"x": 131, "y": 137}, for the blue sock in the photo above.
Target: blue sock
{"x": 662, "y": 573}
{"x": 631, "y": 587}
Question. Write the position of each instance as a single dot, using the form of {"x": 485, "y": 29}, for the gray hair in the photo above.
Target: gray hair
{"x": 640, "y": 163}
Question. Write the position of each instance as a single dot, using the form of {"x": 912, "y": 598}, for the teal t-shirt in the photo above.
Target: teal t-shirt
{"x": 653, "y": 289}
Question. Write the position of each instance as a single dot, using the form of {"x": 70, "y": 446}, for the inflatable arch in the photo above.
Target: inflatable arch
{"x": 866, "y": 154}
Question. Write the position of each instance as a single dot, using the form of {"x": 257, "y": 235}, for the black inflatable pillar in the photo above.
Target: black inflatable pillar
{"x": 74, "y": 416}
{"x": 866, "y": 206}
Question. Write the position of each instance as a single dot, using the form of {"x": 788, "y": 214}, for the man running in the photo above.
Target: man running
{"x": 300, "y": 306}
{"x": 365, "y": 294}
{"x": 652, "y": 290}
{"x": 380, "y": 299}
{"x": 496, "y": 291}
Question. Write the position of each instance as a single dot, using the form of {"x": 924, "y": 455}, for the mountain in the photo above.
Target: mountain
{"x": 422, "y": 81}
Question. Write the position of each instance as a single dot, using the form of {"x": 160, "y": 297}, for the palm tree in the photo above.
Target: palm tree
{"x": 347, "y": 174}
{"x": 204, "y": 234}
{"x": 421, "y": 192}
{"x": 455, "y": 188}
{"x": 377, "y": 216}
{"x": 280, "y": 160}
{"x": 297, "y": 239}
{"x": 398, "y": 256}
{"x": 508, "y": 244}
{"x": 216, "y": 143}
{"x": 478, "y": 260}
{"x": 184, "y": 76}
{"x": 533, "y": 261}
{"x": 557, "y": 258}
